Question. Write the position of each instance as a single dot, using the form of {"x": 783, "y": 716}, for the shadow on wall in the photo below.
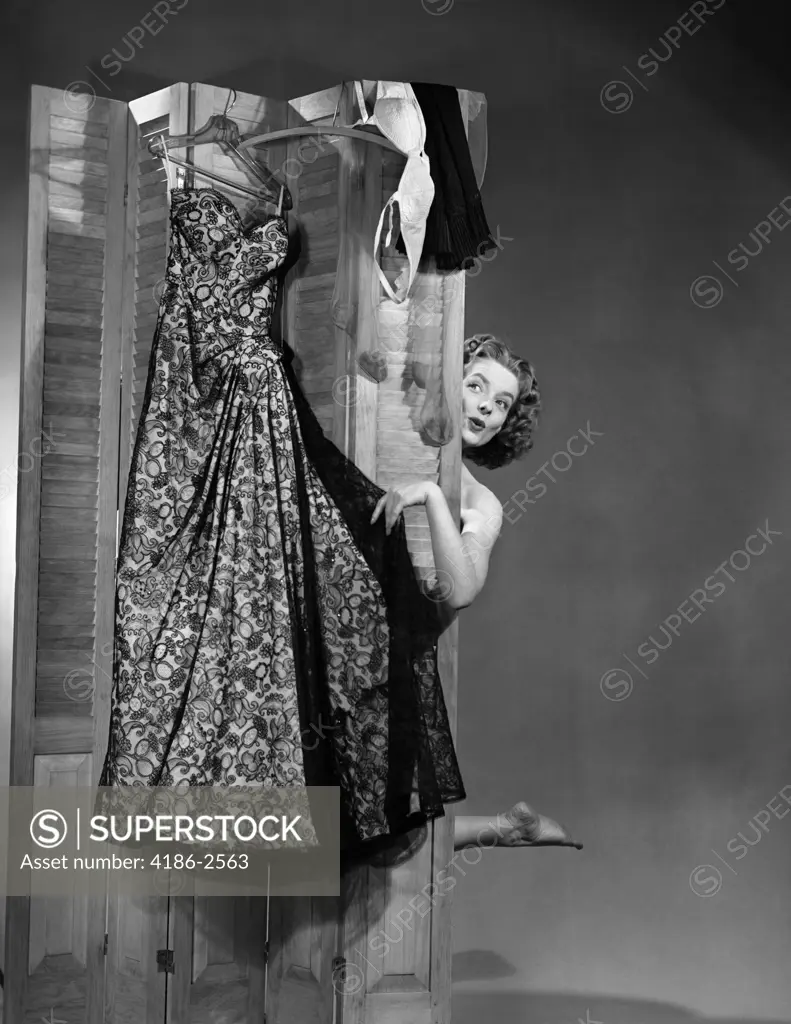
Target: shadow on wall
{"x": 561, "y": 1008}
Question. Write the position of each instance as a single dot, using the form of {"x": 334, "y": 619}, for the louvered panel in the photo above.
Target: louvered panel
{"x": 74, "y": 313}
{"x": 218, "y": 945}
{"x": 338, "y": 201}
{"x": 146, "y": 247}
{"x": 403, "y": 453}
{"x": 313, "y": 174}
{"x": 300, "y": 987}
{"x": 132, "y": 987}
{"x": 150, "y": 187}
{"x": 67, "y": 515}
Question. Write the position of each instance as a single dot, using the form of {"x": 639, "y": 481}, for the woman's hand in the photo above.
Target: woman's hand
{"x": 399, "y": 498}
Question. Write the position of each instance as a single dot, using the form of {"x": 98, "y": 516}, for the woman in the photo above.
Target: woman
{"x": 501, "y": 402}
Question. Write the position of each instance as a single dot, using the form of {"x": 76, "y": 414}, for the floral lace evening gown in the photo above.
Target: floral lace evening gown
{"x": 265, "y": 632}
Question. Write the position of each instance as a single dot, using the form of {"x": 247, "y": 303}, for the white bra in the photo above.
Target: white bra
{"x": 398, "y": 117}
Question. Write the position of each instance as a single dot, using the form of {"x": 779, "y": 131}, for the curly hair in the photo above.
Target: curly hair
{"x": 515, "y": 437}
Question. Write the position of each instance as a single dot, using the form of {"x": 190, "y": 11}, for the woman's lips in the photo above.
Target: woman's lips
{"x": 476, "y": 424}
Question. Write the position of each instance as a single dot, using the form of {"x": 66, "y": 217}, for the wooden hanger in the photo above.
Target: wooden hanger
{"x": 365, "y": 134}
{"x": 221, "y": 130}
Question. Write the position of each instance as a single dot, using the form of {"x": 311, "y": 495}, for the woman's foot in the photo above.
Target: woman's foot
{"x": 521, "y": 826}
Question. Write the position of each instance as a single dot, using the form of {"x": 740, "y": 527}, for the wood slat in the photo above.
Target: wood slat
{"x": 82, "y": 162}
{"x": 318, "y": 177}
{"x": 64, "y": 179}
{"x": 74, "y": 125}
{"x": 61, "y": 106}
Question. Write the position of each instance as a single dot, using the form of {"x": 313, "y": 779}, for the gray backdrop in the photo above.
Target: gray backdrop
{"x": 609, "y": 205}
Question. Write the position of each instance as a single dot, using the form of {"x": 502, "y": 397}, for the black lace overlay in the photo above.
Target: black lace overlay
{"x": 265, "y": 632}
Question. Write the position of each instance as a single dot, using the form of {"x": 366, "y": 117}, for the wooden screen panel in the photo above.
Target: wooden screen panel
{"x": 82, "y": 199}
{"x": 397, "y": 942}
{"x": 216, "y": 944}
{"x": 147, "y": 240}
{"x": 137, "y": 925}
{"x": 303, "y": 932}
{"x": 67, "y": 511}
{"x": 313, "y": 173}
{"x": 380, "y": 427}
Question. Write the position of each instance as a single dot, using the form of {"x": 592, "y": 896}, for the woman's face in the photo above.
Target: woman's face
{"x": 488, "y": 392}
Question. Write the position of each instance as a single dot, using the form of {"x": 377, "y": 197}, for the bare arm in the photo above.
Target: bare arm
{"x": 462, "y": 559}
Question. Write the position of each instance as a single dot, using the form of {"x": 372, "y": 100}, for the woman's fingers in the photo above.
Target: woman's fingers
{"x": 379, "y": 506}
{"x": 393, "y": 504}
{"x": 394, "y": 511}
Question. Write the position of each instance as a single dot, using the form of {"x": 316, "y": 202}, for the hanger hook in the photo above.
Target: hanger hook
{"x": 228, "y": 103}
{"x": 338, "y": 104}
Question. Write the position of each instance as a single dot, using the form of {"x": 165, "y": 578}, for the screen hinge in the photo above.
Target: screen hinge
{"x": 165, "y": 963}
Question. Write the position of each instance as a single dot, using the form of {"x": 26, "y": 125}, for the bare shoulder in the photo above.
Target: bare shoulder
{"x": 479, "y": 504}
{"x": 476, "y": 495}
